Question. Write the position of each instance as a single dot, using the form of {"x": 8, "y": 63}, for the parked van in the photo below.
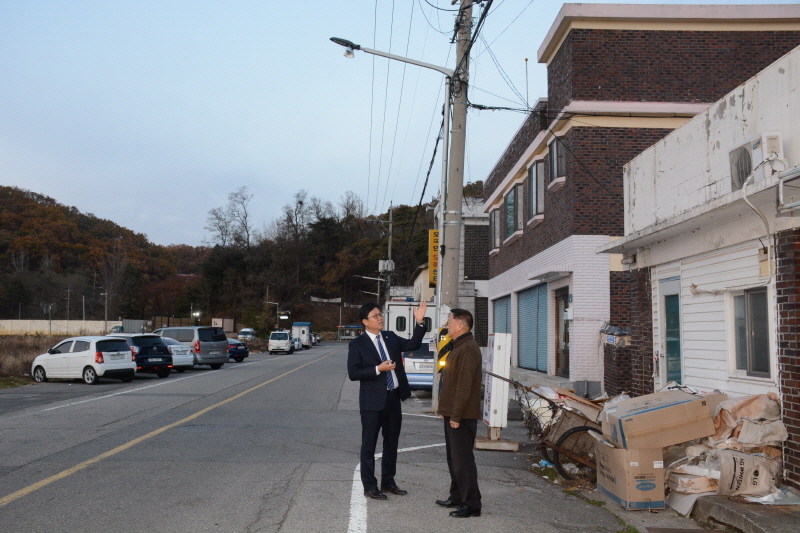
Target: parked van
{"x": 247, "y": 334}
{"x": 209, "y": 343}
{"x": 280, "y": 341}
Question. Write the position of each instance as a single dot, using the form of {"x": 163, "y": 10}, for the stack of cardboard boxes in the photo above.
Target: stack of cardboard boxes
{"x": 630, "y": 453}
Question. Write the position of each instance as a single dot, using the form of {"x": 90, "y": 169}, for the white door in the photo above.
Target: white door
{"x": 78, "y": 358}
{"x": 56, "y": 366}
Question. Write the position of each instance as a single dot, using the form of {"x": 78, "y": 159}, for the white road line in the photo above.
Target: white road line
{"x": 137, "y": 389}
{"x": 358, "y": 502}
{"x": 426, "y": 416}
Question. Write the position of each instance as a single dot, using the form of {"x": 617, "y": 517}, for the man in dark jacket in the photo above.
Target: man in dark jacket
{"x": 460, "y": 406}
{"x": 375, "y": 359}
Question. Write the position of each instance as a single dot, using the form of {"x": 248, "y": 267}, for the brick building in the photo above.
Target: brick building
{"x": 620, "y": 78}
{"x": 716, "y": 285}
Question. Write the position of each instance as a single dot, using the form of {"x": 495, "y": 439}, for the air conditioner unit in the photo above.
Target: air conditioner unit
{"x": 749, "y": 155}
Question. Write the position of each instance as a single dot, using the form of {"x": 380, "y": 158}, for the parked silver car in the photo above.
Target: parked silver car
{"x": 209, "y": 344}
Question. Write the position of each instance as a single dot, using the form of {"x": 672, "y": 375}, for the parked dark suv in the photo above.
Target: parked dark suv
{"x": 151, "y": 352}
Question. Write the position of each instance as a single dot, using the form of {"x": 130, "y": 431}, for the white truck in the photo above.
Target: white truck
{"x": 302, "y": 330}
{"x": 398, "y": 316}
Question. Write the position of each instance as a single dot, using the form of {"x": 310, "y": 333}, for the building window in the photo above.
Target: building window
{"x": 520, "y": 194}
{"x": 558, "y": 161}
{"x": 494, "y": 229}
{"x": 536, "y": 189}
{"x": 751, "y": 326}
{"x": 511, "y": 215}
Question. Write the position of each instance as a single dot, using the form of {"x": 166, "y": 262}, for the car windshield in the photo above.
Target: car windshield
{"x": 112, "y": 346}
{"x": 211, "y": 334}
{"x": 142, "y": 342}
{"x": 246, "y": 332}
{"x": 421, "y": 353}
{"x": 279, "y": 337}
{"x": 169, "y": 341}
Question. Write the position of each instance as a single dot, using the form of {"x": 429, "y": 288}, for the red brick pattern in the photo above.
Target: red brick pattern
{"x": 591, "y": 202}
{"x": 617, "y": 361}
{"x": 641, "y": 370}
{"x": 787, "y": 284}
{"x": 659, "y": 66}
{"x": 476, "y": 249}
{"x": 481, "y": 323}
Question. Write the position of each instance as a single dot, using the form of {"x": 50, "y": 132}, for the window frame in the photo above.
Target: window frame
{"x": 536, "y": 189}
{"x": 510, "y": 219}
{"x": 747, "y": 374}
{"x": 557, "y": 159}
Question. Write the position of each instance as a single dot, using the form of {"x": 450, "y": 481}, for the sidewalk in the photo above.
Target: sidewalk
{"x": 710, "y": 511}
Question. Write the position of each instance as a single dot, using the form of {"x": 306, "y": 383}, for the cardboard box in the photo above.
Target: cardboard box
{"x": 689, "y": 484}
{"x": 657, "y": 420}
{"x": 632, "y": 478}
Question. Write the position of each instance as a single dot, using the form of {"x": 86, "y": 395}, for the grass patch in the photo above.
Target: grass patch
{"x": 10, "y": 382}
{"x": 630, "y": 529}
{"x": 17, "y": 352}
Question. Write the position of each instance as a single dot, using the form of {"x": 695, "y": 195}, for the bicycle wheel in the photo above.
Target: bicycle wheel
{"x": 576, "y": 458}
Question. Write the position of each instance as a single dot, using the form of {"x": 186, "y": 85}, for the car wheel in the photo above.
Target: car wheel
{"x": 180, "y": 370}
{"x": 216, "y": 366}
{"x": 90, "y": 376}
{"x": 162, "y": 372}
{"x": 290, "y": 352}
{"x": 239, "y": 359}
{"x": 39, "y": 375}
{"x": 127, "y": 379}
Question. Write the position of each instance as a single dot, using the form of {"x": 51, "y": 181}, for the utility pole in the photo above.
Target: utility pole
{"x": 451, "y": 243}
{"x": 68, "y": 291}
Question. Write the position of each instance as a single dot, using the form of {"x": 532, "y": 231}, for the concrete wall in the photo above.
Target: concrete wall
{"x": 56, "y": 327}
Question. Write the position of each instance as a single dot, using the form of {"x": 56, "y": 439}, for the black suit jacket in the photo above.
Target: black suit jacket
{"x": 363, "y": 357}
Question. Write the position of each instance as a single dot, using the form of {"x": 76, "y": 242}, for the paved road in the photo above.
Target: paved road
{"x": 267, "y": 445}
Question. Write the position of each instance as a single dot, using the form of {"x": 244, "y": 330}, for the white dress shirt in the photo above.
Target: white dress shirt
{"x": 379, "y": 339}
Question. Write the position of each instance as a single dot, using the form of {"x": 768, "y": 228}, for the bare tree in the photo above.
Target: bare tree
{"x": 350, "y": 204}
{"x": 239, "y": 213}
{"x": 219, "y": 223}
{"x": 19, "y": 261}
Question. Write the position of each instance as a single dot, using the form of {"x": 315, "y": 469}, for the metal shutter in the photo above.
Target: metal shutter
{"x": 532, "y": 327}
{"x": 502, "y": 315}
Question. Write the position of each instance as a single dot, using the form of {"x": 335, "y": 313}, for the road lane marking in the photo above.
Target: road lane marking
{"x": 137, "y": 389}
{"x": 69, "y": 471}
{"x": 358, "y": 501}
{"x": 426, "y": 416}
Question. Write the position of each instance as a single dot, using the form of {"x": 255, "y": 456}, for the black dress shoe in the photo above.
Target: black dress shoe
{"x": 394, "y": 489}
{"x": 465, "y": 511}
{"x": 375, "y": 493}
{"x": 446, "y": 503}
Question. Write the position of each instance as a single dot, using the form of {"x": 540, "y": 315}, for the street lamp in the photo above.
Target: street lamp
{"x": 350, "y": 47}
{"x": 196, "y": 316}
{"x": 277, "y": 314}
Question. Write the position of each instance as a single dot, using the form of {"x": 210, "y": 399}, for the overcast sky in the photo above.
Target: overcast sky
{"x": 148, "y": 113}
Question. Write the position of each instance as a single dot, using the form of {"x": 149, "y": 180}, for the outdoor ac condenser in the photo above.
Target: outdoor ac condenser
{"x": 749, "y": 155}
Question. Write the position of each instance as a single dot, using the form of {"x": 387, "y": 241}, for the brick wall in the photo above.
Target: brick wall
{"x": 659, "y": 66}
{"x": 641, "y": 310}
{"x": 481, "y": 324}
{"x": 536, "y": 122}
{"x": 476, "y": 250}
{"x": 591, "y": 201}
{"x": 787, "y": 285}
{"x": 617, "y": 361}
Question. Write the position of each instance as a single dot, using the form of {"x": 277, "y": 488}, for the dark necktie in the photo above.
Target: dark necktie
{"x": 389, "y": 380}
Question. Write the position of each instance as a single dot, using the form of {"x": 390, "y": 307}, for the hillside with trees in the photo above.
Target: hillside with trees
{"x": 55, "y": 258}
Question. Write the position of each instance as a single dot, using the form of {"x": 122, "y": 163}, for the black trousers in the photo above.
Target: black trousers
{"x": 386, "y": 422}
{"x": 461, "y": 462}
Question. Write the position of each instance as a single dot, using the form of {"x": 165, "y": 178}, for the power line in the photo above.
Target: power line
{"x": 385, "y": 106}
{"x": 429, "y": 22}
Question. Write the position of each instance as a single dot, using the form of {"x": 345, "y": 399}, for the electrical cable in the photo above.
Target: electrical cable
{"x": 385, "y": 106}
{"x": 425, "y": 185}
{"x": 512, "y": 22}
{"x": 399, "y": 106}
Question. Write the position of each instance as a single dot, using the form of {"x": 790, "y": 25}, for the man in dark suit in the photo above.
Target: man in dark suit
{"x": 375, "y": 359}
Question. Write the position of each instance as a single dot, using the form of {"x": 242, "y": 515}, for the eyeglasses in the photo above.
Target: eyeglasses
{"x": 376, "y": 316}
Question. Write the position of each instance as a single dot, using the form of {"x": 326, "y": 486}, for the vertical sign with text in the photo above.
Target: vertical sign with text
{"x": 433, "y": 257}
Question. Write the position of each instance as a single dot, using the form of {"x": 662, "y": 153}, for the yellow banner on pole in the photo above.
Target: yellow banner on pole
{"x": 433, "y": 257}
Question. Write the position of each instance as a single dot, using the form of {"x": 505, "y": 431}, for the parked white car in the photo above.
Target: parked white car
{"x": 182, "y": 357}
{"x": 88, "y": 358}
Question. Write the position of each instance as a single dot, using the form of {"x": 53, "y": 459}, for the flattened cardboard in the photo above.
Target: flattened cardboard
{"x": 657, "y": 420}
{"x": 632, "y": 478}
{"x": 689, "y": 484}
